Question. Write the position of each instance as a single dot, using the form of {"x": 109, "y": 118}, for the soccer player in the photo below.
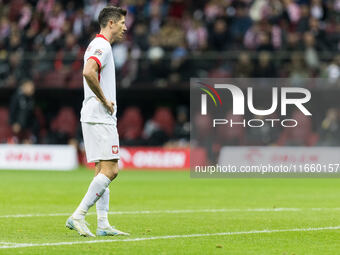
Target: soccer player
{"x": 98, "y": 119}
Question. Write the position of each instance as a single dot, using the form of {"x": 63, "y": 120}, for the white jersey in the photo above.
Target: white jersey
{"x": 93, "y": 110}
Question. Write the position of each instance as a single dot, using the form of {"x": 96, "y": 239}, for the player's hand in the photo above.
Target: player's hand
{"x": 109, "y": 106}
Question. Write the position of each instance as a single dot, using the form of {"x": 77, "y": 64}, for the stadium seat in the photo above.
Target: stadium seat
{"x": 130, "y": 125}
{"x": 202, "y": 125}
{"x": 302, "y": 134}
{"x": 39, "y": 115}
{"x": 234, "y": 135}
{"x": 219, "y": 73}
{"x": 65, "y": 122}
{"x": 54, "y": 79}
{"x": 15, "y": 8}
{"x": 75, "y": 80}
{"x": 5, "y": 129}
{"x": 164, "y": 118}
{"x": 3, "y": 115}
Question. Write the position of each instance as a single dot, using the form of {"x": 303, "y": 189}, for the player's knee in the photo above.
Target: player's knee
{"x": 110, "y": 169}
{"x": 114, "y": 174}
{"x": 111, "y": 173}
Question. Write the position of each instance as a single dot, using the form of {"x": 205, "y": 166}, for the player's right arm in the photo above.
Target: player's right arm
{"x": 90, "y": 73}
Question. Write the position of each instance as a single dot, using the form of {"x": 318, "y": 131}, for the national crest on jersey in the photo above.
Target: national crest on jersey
{"x": 115, "y": 149}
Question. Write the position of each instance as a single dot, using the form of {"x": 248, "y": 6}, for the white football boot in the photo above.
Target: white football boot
{"x": 110, "y": 231}
{"x": 80, "y": 226}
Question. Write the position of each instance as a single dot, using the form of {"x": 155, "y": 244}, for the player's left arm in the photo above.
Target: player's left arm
{"x": 90, "y": 73}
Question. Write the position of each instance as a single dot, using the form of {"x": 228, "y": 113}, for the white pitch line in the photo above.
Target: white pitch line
{"x": 158, "y": 211}
{"x": 265, "y": 231}
{"x": 175, "y": 211}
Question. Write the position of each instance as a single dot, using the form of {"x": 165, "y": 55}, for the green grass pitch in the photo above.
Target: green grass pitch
{"x": 163, "y": 211}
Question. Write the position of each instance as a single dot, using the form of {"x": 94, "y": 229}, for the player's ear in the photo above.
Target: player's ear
{"x": 111, "y": 23}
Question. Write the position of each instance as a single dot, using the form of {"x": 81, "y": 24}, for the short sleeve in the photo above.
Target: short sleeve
{"x": 98, "y": 53}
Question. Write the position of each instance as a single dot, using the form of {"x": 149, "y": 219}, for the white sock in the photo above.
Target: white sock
{"x": 102, "y": 206}
{"x": 95, "y": 191}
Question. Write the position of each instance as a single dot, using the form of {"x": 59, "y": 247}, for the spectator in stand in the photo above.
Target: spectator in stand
{"x": 155, "y": 16}
{"x": 265, "y": 135}
{"x": 153, "y": 134}
{"x": 155, "y": 8}
{"x": 264, "y": 43}
{"x": 45, "y": 6}
{"x": 240, "y": 23}
{"x": 219, "y": 35}
{"x": 197, "y": 35}
{"x": 244, "y": 67}
{"x": 26, "y": 15}
{"x": 68, "y": 58}
{"x": 303, "y": 23}
{"x": 263, "y": 36}
{"x": 319, "y": 34}
{"x": 181, "y": 134}
{"x": 179, "y": 68}
{"x": 311, "y": 51}
{"x": 292, "y": 12}
{"x": 141, "y": 36}
{"x": 93, "y": 8}
{"x": 293, "y": 42}
{"x": 55, "y": 21}
{"x": 212, "y": 10}
{"x": 4, "y": 27}
{"x": 330, "y": 129}
{"x": 16, "y": 69}
{"x": 157, "y": 69}
{"x": 78, "y": 23}
{"x": 318, "y": 9}
{"x": 22, "y": 120}
{"x": 14, "y": 42}
{"x": 332, "y": 71}
{"x": 298, "y": 67}
{"x": 265, "y": 67}
{"x": 4, "y": 67}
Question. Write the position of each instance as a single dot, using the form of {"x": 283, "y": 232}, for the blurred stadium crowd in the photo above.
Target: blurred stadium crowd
{"x": 42, "y": 44}
{"x": 172, "y": 40}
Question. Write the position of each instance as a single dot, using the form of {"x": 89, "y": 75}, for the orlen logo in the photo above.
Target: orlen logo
{"x": 239, "y": 104}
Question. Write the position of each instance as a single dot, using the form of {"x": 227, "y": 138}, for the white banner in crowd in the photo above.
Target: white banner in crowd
{"x": 38, "y": 157}
{"x": 255, "y": 155}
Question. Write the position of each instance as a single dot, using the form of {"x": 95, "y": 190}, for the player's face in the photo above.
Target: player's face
{"x": 119, "y": 29}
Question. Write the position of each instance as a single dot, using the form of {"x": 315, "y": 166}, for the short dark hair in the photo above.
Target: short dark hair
{"x": 110, "y": 12}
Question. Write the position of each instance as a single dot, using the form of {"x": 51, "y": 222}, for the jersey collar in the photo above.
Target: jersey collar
{"x": 102, "y": 36}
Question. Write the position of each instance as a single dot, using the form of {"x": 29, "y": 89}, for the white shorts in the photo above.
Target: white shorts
{"x": 101, "y": 141}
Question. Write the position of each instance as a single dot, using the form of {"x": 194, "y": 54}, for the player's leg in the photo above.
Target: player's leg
{"x": 97, "y": 168}
{"x": 110, "y": 169}
{"x": 98, "y": 140}
{"x": 96, "y": 189}
{"x": 102, "y": 204}
{"x": 93, "y": 140}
